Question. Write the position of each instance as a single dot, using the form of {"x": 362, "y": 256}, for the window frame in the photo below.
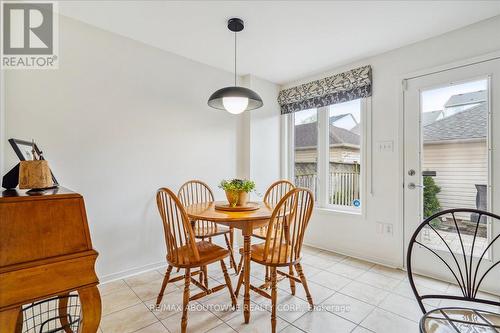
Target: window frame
{"x": 323, "y": 152}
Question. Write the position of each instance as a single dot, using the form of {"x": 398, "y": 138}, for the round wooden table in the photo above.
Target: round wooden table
{"x": 246, "y": 222}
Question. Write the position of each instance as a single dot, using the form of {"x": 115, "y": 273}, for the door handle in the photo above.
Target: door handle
{"x": 412, "y": 186}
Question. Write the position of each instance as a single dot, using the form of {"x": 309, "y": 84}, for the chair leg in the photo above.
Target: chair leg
{"x": 240, "y": 282}
{"x": 187, "y": 280}
{"x": 205, "y": 276}
{"x": 231, "y": 241}
{"x": 274, "y": 297}
{"x": 231, "y": 254}
{"x": 302, "y": 277}
{"x": 292, "y": 281}
{"x": 228, "y": 283}
{"x": 164, "y": 284}
{"x": 240, "y": 265}
{"x": 267, "y": 278}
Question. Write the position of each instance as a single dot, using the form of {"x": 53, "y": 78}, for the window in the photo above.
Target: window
{"x": 455, "y": 163}
{"x": 306, "y": 149}
{"x": 326, "y": 150}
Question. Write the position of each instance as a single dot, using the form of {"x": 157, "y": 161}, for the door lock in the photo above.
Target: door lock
{"x": 411, "y": 172}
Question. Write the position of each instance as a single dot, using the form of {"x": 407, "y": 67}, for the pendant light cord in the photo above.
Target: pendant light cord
{"x": 235, "y": 59}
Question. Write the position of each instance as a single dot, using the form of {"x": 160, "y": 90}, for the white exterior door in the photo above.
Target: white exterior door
{"x": 452, "y": 135}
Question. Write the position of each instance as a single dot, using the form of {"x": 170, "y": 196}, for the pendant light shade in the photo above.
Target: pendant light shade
{"x": 235, "y": 99}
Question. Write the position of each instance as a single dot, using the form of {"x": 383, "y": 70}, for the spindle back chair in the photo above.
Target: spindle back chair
{"x": 179, "y": 234}
{"x": 273, "y": 195}
{"x": 193, "y": 192}
{"x": 196, "y": 191}
{"x": 283, "y": 245}
{"x": 277, "y": 190}
{"x": 184, "y": 252}
{"x": 287, "y": 227}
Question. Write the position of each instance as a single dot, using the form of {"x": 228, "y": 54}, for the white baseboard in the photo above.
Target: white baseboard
{"x": 131, "y": 272}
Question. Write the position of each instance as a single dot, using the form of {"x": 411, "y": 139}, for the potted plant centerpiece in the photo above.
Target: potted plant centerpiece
{"x": 237, "y": 191}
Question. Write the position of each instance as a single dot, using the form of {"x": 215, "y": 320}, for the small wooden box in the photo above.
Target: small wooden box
{"x": 34, "y": 175}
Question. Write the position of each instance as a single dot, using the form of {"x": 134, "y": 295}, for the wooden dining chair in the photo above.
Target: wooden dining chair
{"x": 184, "y": 252}
{"x": 272, "y": 196}
{"x": 196, "y": 191}
{"x": 283, "y": 245}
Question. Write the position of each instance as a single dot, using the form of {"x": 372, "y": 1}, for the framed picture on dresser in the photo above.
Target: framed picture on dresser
{"x": 24, "y": 150}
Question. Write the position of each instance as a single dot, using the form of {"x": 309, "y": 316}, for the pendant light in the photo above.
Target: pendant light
{"x": 235, "y": 99}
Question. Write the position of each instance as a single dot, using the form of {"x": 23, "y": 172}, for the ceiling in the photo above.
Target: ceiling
{"x": 283, "y": 40}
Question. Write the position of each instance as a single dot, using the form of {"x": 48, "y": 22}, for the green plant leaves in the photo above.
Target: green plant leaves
{"x": 239, "y": 185}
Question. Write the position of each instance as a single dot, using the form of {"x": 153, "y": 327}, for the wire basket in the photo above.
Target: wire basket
{"x": 57, "y": 314}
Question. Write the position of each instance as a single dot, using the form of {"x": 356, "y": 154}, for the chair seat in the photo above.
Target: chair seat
{"x": 258, "y": 255}
{"x": 464, "y": 319}
{"x": 209, "y": 253}
{"x": 210, "y": 231}
{"x": 281, "y": 255}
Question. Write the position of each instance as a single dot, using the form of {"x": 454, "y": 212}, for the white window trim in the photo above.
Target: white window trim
{"x": 323, "y": 158}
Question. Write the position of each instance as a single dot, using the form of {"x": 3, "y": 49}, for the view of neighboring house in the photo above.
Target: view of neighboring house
{"x": 344, "y": 157}
{"x": 432, "y": 116}
{"x": 344, "y": 145}
{"x": 455, "y": 147}
{"x": 345, "y": 120}
{"x": 461, "y": 102}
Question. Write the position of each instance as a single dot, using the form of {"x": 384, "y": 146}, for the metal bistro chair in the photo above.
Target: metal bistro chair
{"x": 196, "y": 191}
{"x": 273, "y": 195}
{"x": 283, "y": 245}
{"x": 466, "y": 270}
{"x": 184, "y": 252}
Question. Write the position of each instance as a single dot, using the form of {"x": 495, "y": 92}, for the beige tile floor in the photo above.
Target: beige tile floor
{"x": 351, "y": 296}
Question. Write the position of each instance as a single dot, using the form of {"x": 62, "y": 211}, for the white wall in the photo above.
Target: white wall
{"x": 117, "y": 120}
{"x": 260, "y": 132}
{"x": 356, "y": 235}
{"x": 259, "y": 142}
{"x": 265, "y": 136}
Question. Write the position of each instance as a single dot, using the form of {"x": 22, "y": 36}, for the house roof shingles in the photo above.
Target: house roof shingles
{"x": 430, "y": 117}
{"x": 306, "y": 136}
{"x": 465, "y": 125}
{"x": 467, "y": 98}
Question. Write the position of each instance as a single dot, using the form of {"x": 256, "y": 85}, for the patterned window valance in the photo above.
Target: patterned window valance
{"x": 339, "y": 88}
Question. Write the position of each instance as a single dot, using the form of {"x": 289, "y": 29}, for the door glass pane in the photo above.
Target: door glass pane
{"x": 306, "y": 150}
{"x": 344, "y": 154}
{"x": 454, "y": 156}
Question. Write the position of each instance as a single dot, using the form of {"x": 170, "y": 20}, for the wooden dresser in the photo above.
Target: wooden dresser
{"x": 45, "y": 251}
